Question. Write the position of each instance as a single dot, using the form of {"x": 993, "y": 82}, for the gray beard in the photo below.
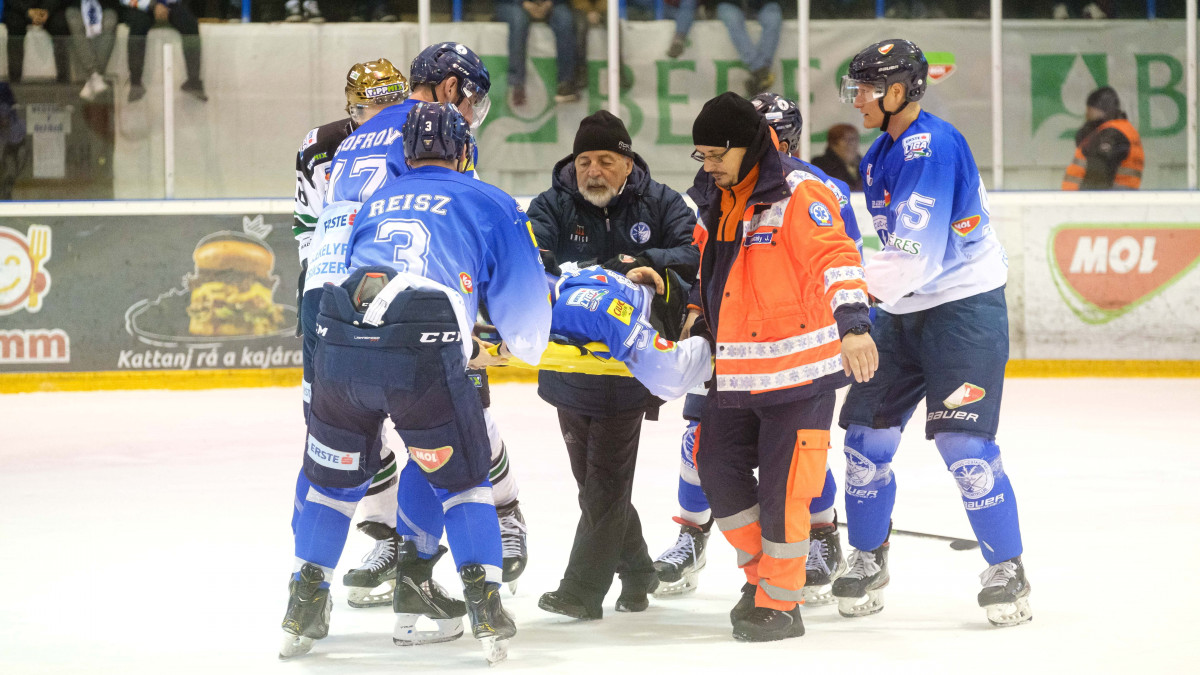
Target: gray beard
{"x": 599, "y": 196}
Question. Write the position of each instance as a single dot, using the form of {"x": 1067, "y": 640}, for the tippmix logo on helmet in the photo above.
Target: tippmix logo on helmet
{"x": 437, "y": 131}
{"x": 883, "y": 64}
{"x": 783, "y": 116}
{"x": 375, "y": 82}
{"x": 437, "y": 62}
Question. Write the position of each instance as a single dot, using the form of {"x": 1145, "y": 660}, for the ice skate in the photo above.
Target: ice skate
{"x": 492, "y": 626}
{"x": 417, "y": 595}
{"x": 559, "y": 602}
{"x": 1005, "y": 593}
{"x": 859, "y": 592}
{"x": 763, "y": 624}
{"x": 678, "y": 568}
{"x": 825, "y": 564}
{"x": 372, "y": 583}
{"x": 307, "y": 616}
{"x": 512, "y": 541}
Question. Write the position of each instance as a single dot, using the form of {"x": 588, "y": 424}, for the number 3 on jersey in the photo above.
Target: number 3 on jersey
{"x": 411, "y": 241}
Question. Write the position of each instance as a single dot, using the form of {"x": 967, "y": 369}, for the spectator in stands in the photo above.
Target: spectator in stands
{"x": 140, "y": 16}
{"x": 1108, "y": 150}
{"x": 308, "y": 10}
{"x": 48, "y": 14}
{"x": 374, "y": 10}
{"x": 93, "y": 26}
{"x": 590, "y": 13}
{"x": 842, "y": 158}
{"x": 14, "y": 150}
{"x": 1083, "y": 9}
{"x": 757, "y": 58}
{"x": 518, "y": 14}
{"x": 683, "y": 12}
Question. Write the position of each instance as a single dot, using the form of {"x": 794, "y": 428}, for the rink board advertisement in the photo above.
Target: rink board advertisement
{"x": 147, "y": 293}
{"x": 1111, "y": 282}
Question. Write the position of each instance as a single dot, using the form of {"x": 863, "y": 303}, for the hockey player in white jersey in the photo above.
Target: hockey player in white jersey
{"x": 942, "y": 330}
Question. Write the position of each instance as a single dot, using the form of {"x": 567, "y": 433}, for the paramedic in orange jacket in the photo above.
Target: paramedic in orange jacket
{"x": 782, "y": 294}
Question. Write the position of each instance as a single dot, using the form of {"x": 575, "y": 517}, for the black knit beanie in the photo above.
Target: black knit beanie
{"x": 726, "y": 121}
{"x": 603, "y": 130}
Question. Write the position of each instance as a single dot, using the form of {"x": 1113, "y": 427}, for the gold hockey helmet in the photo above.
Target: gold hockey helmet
{"x": 373, "y": 83}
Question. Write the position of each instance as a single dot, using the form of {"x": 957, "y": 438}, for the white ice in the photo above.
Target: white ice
{"x": 148, "y": 532}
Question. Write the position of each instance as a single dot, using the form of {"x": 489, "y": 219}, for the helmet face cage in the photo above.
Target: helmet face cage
{"x": 852, "y": 89}
{"x": 435, "y": 131}
{"x": 783, "y": 116}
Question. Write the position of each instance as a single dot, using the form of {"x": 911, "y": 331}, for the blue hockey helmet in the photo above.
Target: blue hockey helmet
{"x": 783, "y": 116}
{"x": 436, "y": 131}
{"x": 883, "y": 64}
{"x": 439, "y": 61}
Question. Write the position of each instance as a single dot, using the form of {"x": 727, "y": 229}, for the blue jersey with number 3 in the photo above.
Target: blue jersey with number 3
{"x": 929, "y": 207}
{"x": 466, "y": 235}
{"x": 360, "y": 165}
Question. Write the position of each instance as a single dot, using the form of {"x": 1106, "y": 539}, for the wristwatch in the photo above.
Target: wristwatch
{"x": 859, "y": 330}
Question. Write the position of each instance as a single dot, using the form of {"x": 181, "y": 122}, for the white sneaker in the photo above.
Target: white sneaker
{"x": 1093, "y": 11}
{"x": 1060, "y": 12}
{"x": 93, "y": 87}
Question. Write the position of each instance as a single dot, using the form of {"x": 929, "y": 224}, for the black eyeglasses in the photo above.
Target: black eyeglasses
{"x": 701, "y": 157}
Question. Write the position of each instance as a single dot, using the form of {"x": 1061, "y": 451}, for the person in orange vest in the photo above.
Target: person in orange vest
{"x": 783, "y": 298}
{"x": 1108, "y": 150}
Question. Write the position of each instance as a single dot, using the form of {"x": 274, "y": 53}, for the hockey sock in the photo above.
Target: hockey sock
{"x": 821, "y": 508}
{"x": 870, "y": 486}
{"x": 991, "y": 506}
{"x": 379, "y": 506}
{"x": 419, "y": 516}
{"x": 473, "y": 529}
{"x": 504, "y": 484}
{"x": 693, "y": 505}
{"x": 322, "y": 520}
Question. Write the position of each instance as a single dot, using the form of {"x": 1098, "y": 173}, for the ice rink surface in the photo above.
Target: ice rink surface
{"x": 148, "y": 532}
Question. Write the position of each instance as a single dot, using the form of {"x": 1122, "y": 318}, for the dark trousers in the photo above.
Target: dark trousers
{"x": 608, "y": 539}
{"x": 140, "y": 23}
{"x": 17, "y": 25}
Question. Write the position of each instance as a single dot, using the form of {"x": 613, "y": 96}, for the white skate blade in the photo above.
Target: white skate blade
{"x": 686, "y": 584}
{"x": 295, "y": 645}
{"x": 1010, "y": 613}
{"x": 871, "y": 603}
{"x": 360, "y": 597}
{"x": 406, "y": 634}
{"x": 495, "y": 649}
{"x": 512, "y": 587}
{"x": 819, "y": 596}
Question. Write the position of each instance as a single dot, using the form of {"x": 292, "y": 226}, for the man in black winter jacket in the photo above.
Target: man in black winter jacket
{"x": 604, "y": 208}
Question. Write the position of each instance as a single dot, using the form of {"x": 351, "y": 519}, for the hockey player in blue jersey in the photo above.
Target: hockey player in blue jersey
{"x": 394, "y": 341}
{"x": 942, "y": 332}
{"x": 678, "y": 566}
{"x": 594, "y": 304}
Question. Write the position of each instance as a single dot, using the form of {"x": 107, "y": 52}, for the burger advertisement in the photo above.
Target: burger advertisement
{"x": 155, "y": 293}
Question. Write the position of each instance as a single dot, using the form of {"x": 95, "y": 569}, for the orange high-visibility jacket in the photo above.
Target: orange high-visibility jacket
{"x": 776, "y": 332}
{"x": 1129, "y": 171}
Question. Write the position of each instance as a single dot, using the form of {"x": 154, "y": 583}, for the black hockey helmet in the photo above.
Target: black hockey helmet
{"x": 783, "y": 116}
{"x": 883, "y": 64}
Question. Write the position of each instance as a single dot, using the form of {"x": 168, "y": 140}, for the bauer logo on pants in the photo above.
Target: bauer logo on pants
{"x": 964, "y": 395}
{"x": 431, "y": 460}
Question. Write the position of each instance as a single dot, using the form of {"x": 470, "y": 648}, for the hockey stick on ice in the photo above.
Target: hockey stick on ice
{"x": 955, "y": 543}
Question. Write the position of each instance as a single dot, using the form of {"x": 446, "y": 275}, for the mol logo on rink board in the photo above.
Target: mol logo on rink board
{"x": 1103, "y": 272}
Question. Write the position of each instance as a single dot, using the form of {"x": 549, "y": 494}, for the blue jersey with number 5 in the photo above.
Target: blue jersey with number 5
{"x": 930, "y": 209}
{"x": 466, "y": 235}
{"x": 360, "y": 164}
